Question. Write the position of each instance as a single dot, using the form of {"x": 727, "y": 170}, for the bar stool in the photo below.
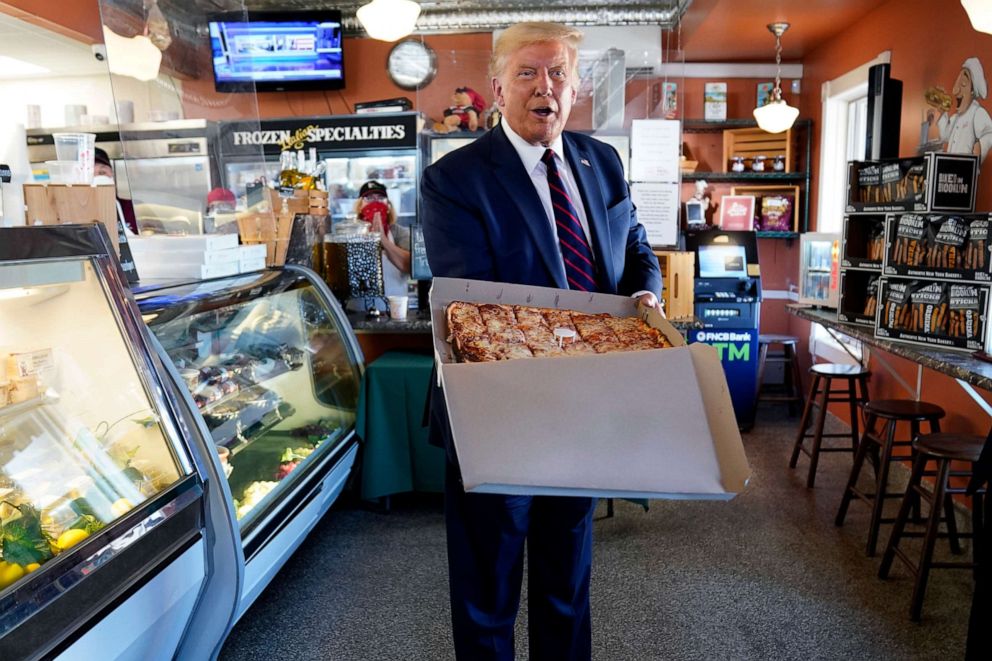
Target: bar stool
{"x": 792, "y": 383}
{"x": 891, "y": 412}
{"x": 942, "y": 448}
{"x": 826, "y": 374}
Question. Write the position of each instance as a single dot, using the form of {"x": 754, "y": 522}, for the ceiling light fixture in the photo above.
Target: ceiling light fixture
{"x": 979, "y": 13}
{"x": 389, "y": 20}
{"x": 776, "y": 115}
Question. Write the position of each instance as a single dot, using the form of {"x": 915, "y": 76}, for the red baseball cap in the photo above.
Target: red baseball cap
{"x": 221, "y": 195}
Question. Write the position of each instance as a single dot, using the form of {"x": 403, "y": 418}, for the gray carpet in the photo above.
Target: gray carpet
{"x": 765, "y": 576}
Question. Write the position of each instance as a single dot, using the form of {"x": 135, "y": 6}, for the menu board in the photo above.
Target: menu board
{"x": 419, "y": 268}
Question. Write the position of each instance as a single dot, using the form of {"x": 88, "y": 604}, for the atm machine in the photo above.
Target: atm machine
{"x": 728, "y": 301}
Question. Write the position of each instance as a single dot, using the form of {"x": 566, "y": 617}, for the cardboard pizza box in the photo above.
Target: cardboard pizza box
{"x": 640, "y": 424}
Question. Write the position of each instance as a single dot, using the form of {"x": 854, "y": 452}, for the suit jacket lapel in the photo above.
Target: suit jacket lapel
{"x": 510, "y": 173}
{"x": 592, "y": 198}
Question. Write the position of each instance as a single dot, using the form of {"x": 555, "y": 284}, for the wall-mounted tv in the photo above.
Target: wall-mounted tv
{"x": 277, "y": 51}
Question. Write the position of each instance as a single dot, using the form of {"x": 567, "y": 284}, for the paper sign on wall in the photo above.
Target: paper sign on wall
{"x": 655, "y": 145}
{"x": 658, "y": 210}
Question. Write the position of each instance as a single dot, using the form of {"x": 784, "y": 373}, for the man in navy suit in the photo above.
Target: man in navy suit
{"x": 529, "y": 204}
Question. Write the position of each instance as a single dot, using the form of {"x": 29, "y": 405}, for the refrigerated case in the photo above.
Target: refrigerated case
{"x": 272, "y": 368}
{"x": 109, "y": 531}
{"x": 356, "y": 148}
{"x": 819, "y": 271}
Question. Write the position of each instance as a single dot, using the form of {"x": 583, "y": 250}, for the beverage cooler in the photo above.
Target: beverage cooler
{"x": 819, "y": 269}
{"x": 356, "y": 148}
{"x": 112, "y": 526}
{"x": 159, "y": 462}
{"x": 270, "y": 369}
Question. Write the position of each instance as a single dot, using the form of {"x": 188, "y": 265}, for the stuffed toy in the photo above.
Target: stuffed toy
{"x": 463, "y": 114}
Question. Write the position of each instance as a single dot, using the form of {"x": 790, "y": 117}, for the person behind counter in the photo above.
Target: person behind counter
{"x": 373, "y": 206}
{"x": 533, "y": 205}
{"x": 103, "y": 173}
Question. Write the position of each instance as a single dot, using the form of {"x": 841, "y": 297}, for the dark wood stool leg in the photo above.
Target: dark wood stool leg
{"x": 929, "y": 538}
{"x": 919, "y": 466}
{"x": 852, "y": 481}
{"x": 762, "y": 357}
{"x": 797, "y": 379}
{"x": 863, "y": 381}
{"x": 852, "y": 394}
{"x": 814, "y": 454}
{"x": 804, "y": 422}
{"x": 880, "y": 486}
{"x": 952, "y": 524}
{"x": 914, "y": 431}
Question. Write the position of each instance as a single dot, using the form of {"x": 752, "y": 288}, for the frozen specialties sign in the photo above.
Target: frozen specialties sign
{"x": 351, "y": 132}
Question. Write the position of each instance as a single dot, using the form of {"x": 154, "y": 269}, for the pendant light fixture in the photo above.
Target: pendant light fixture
{"x": 980, "y": 14}
{"x": 776, "y": 115}
{"x": 388, "y": 20}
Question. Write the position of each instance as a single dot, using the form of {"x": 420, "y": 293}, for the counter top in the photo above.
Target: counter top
{"x": 420, "y": 322}
{"x": 957, "y": 364}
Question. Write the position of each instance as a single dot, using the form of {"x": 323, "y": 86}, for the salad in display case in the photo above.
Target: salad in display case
{"x": 273, "y": 369}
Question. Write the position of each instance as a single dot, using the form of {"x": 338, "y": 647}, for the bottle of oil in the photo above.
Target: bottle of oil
{"x": 289, "y": 175}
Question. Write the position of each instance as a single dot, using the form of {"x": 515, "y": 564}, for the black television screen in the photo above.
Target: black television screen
{"x": 276, "y": 51}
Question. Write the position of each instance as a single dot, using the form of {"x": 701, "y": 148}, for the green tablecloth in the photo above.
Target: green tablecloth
{"x": 397, "y": 457}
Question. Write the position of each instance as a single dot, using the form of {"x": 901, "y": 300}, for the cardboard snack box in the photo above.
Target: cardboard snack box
{"x": 939, "y": 246}
{"x": 948, "y": 315}
{"x": 858, "y": 299}
{"x": 639, "y": 424}
{"x": 932, "y": 182}
{"x": 863, "y": 243}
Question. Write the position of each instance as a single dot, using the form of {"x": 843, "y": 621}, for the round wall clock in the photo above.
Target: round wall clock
{"x": 412, "y": 64}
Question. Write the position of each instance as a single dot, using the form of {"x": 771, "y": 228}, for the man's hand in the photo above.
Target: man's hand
{"x": 651, "y": 301}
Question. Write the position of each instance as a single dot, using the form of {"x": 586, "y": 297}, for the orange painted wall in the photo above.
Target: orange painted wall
{"x": 77, "y": 19}
{"x": 929, "y": 41}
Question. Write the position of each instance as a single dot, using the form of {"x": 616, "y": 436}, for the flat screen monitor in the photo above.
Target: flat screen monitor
{"x": 277, "y": 51}
{"x": 722, "y": 261}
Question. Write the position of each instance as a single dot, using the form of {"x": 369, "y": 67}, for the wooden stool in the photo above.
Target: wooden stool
{"x": 853, "y": 375}
{"x": 891, "y": 411}
{"x": 943, "y": 448}
{"x": 792, "y": 383}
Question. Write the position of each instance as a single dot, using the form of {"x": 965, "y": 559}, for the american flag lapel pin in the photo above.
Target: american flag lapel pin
{"x": 585, "y": 162}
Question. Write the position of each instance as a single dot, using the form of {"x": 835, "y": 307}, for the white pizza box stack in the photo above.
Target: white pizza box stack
{"x": 251, "y": 258}
{"x": 638, "y": 424}
{"x": 194, "y": 256}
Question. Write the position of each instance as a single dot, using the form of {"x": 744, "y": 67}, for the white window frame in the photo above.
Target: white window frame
{"x": 835, "y": 141}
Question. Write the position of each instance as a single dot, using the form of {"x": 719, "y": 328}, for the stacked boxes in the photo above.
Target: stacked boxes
{"x": 196, "y": 256}
{"x": 928, "y": 282}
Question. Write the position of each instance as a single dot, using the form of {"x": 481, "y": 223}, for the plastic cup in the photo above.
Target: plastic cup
{"x": 63, "y": 172}
{"x": 77, "y": 147}
{"x": 398, "y": 307}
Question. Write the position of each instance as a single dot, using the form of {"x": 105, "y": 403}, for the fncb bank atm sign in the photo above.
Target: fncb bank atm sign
{"x": 731, "y": 346}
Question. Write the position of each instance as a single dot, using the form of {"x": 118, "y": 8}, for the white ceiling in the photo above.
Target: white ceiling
{"x": 60, "y": 55}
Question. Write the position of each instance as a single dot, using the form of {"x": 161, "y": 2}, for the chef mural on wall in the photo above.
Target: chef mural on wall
{"x": 968, "y": 130}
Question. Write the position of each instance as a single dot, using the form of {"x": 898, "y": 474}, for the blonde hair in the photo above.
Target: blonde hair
{"x": 521, "y": 35}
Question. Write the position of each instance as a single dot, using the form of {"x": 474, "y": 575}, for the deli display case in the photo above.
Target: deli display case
{"x": 108, "y": 535}
{"x": 271, "y": 367}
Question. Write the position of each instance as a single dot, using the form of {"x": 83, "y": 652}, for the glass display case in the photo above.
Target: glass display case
{"x": 99, "y": 488}
{"x": 819, "y": 272}
{"x": 273, "y": 369}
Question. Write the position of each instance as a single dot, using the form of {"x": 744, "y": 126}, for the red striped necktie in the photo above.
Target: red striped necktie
{"x": 579, "y": 268}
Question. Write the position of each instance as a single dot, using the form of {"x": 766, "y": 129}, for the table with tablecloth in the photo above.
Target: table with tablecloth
{"x": 396, "y": 455}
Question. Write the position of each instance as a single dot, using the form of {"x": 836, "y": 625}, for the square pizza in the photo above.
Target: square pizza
{"x": 487, "y": 332}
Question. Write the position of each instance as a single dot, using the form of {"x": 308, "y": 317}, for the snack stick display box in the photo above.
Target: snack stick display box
{"x": 640, "y": 424}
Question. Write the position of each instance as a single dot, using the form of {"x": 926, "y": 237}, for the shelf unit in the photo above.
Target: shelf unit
{"x": 802, "y": 133}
